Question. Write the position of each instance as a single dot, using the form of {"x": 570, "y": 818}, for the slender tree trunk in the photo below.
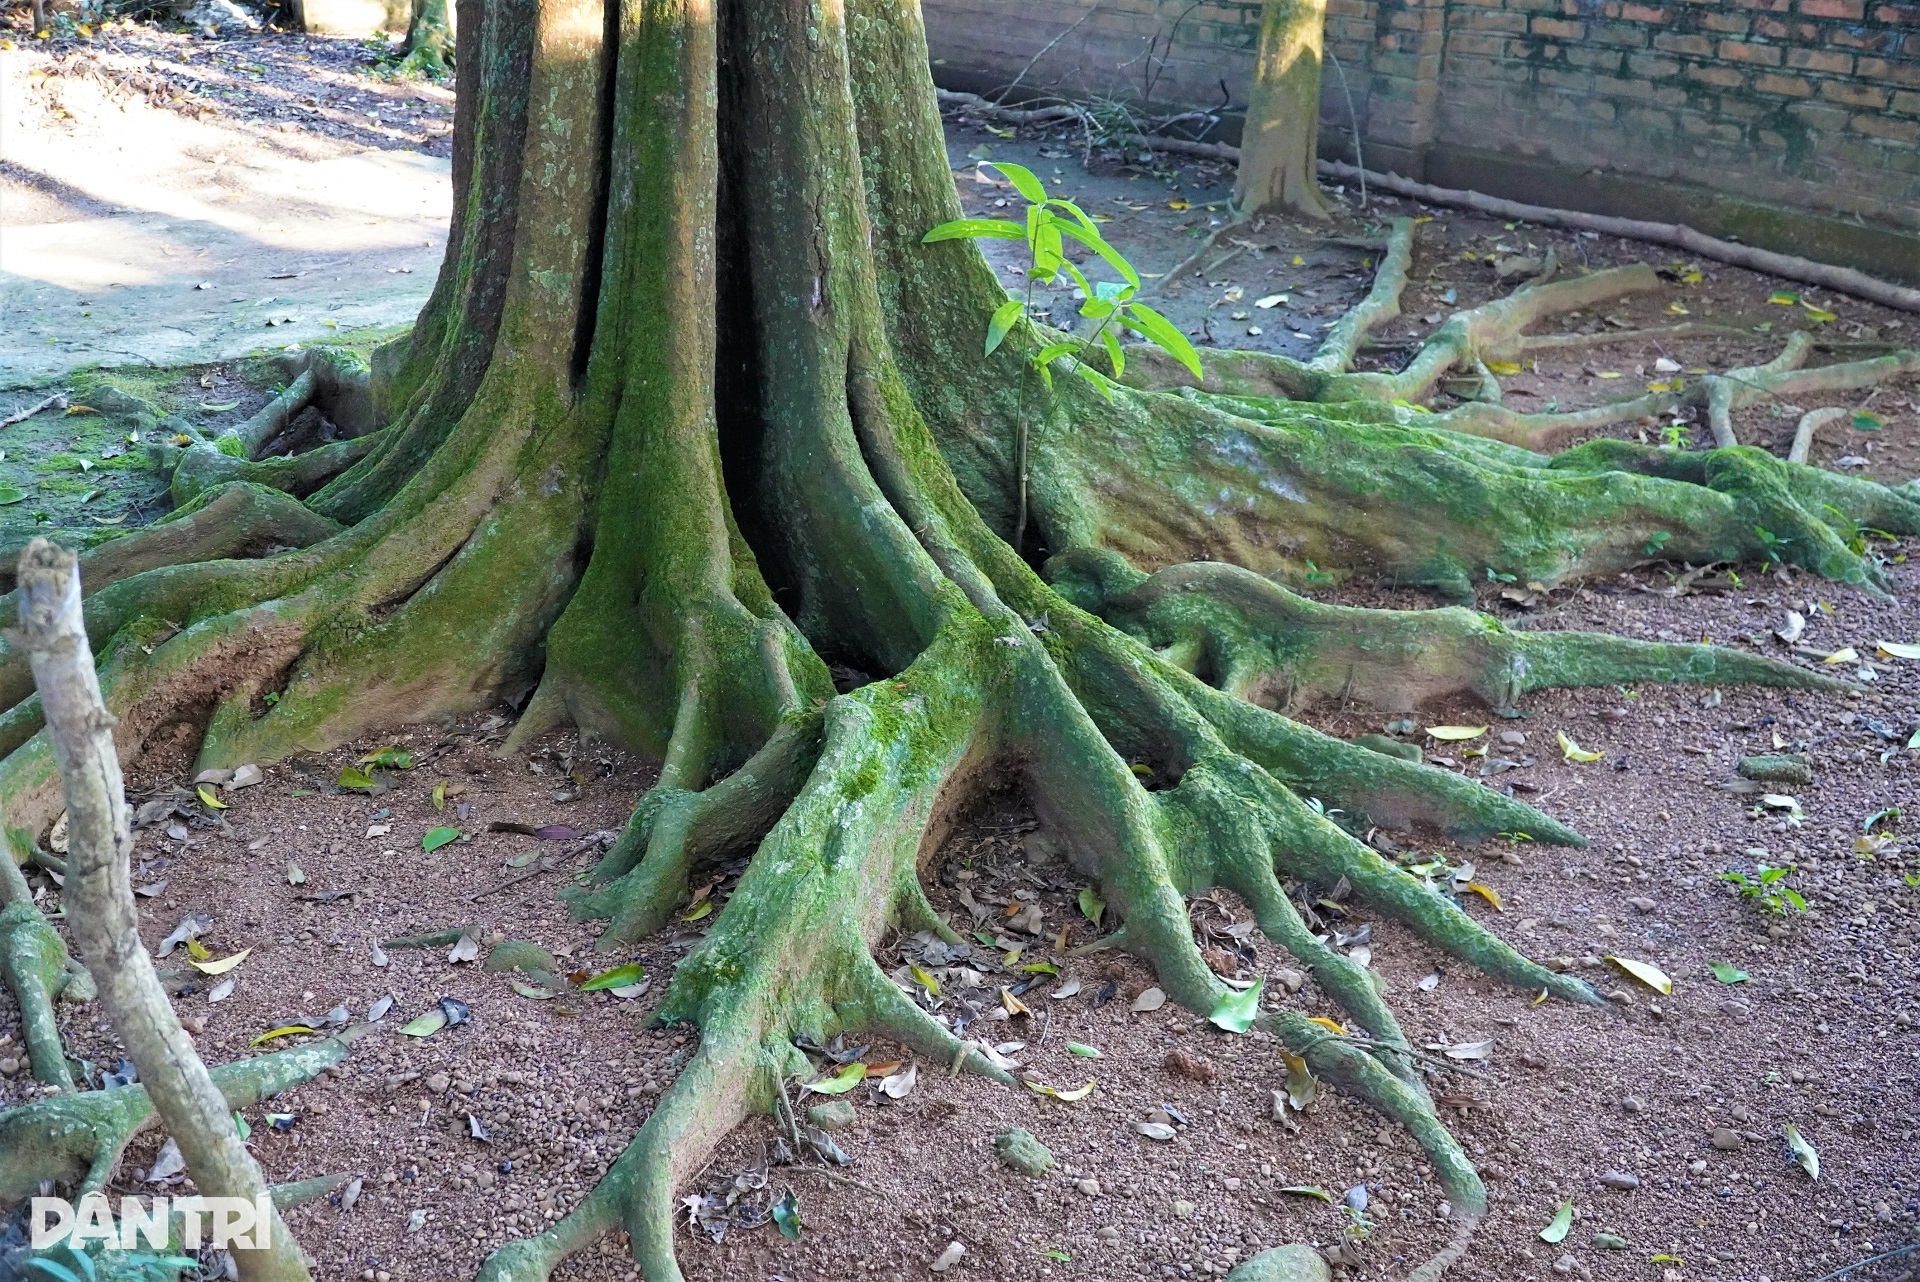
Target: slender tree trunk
{"x": 99, "y": 894}
{"x": 1280, "y": 144}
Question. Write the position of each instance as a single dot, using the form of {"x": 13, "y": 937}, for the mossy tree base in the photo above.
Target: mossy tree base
{"x": 693, "y": 412}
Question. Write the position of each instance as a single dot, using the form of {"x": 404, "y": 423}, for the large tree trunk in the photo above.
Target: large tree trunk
{"x": 693, "y": 412}
{"x": 1280, "y": 143}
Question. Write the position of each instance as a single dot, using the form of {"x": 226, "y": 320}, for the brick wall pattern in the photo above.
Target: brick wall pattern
{"x": 1813, "y": 104}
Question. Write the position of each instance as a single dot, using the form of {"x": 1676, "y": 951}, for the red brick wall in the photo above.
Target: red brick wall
{"x": 1813, "y": 104}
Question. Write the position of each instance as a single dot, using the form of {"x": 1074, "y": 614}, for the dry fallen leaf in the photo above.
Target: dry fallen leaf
{"x": 1574, "y": 752}
{"x": 222, "y": 966}
{"x": 1646, "y": 972}
{"x": 1151, "y": 999}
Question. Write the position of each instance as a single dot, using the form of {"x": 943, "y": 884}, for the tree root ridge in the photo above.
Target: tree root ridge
{"x": 1261, "y": 642}
{"x": 36, "y": 968}
{"x": 553, "y": 511}
{"x": 80, "y": 1135}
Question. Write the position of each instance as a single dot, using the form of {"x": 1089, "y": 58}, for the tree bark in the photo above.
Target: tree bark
{"x": 99, "y": 893}
{"x": 695, "y": 410}
{"x": 430, "y": 36}
{"x": 1281, "y": 140}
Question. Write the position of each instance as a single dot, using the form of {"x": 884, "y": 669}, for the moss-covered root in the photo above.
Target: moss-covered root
{"x": 1255, "y": 639}
{"x": 203, "y": 466}
{"x": 36, "y": 969}
{"x": 788, "y": 953}
{"x": 80, "y": 1136}
{"x": 1224, "y": 823}
{"x": 235, "y": 520}
{"x": 647, "y": 873}
{"x": 1348, "y": 1064}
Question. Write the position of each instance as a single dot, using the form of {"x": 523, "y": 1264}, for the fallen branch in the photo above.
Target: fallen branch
{"x": 1844, "y": 280}
{"x": 58, "y": 401}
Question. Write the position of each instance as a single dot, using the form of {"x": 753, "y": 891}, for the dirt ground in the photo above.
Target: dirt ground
{"x": 1687, "y": 1093}
{"x": 167, "y": 199}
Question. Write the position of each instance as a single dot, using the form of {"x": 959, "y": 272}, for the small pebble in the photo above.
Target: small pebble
{"x": 1698, "y": 1166}
{"x": 1564, "y": 1265}
{"x": 1089, "y": 1186}
{"x": 1624, "y": 1181}
{"x": 438, "y": 1083}
{"x": 1633, "y": 1104}
{"x": 1726, "y": 1139}
{"x": 1513, "y": 738}
{"x": 1642, "y": 904}
{"x": 1182, "y": 1210}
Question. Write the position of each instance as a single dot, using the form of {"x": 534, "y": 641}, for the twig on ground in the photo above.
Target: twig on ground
{"x": 57, "y": 401}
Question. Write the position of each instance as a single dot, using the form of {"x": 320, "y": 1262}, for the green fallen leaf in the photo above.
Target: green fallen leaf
{"x": 618, "y": 977}
{"x": 1083, "y": 1050}
{"x": 786, "y": 1215}
{"x": 840, "y": 1082}
{"x": 1055, "y": 1254}
{"x": 1556, "y": 1232}
{"x": 391, "y": 756}
{"x": 1868, "y": 421}
{"x": 1310, "y": 1190}
{"x": 1235, "y": 1012}
{"x": 435, "y": 838}
{"x": 11, "y": 494}
{"x": 1092, "y": 905}
{"x": 923, "y": 978}
{"x": 532, "y": 992}
{"x": 426, "y": 1025}
{"x": 1728, "y": 974}
{"x": 354, "y": 779}
{"x": 1803, "y": 1151}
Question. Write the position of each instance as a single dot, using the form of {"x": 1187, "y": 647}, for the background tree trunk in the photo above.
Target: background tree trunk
{"x": 430, "y": 39}
{"x": 99, "y": 895}
{"x": 1279, "y": 146}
